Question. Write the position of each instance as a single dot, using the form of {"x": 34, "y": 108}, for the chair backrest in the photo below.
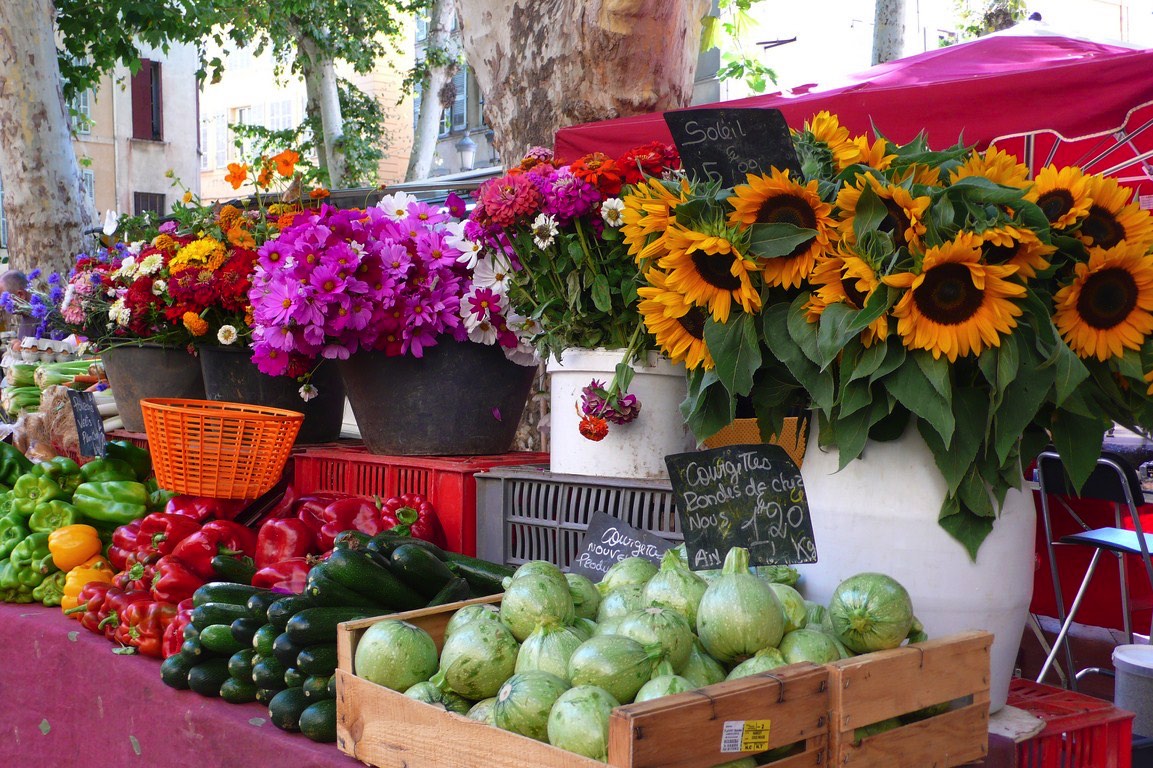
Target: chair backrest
{"x": 1107, "y": 481}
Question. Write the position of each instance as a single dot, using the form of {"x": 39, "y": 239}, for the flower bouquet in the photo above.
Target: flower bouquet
{"x": 895, "y": 286}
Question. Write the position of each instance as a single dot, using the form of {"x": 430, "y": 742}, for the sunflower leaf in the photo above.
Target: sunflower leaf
{"x": 855, "y": 395}
{"x": 936, "y": 370}
{"x": 601, "y": 293}
{"x": 853, "y": 433}
{"x": 869, "y": 361}
{"x": 1078, "y": 439}
{"x": 913, "y": 390}
{"x": 870, "y": 212}
{"x": 690, "y": 212}
{"x": 735, "y": 349}
{"x": 800, "y": 330}
{"x": 771, "y": 240}
{"x": 1071, "y": 372}
{"x": 817, "y": 383}
{"x": 954, "y": 460}
{"x": 894, "y": 358}
{"x": 708, "y": 407}
{"x": 1023, "y": 398}
{"x": 834, "y": 329}
{"x": 1130, "y": 365}
{"x": 974, "y": 494}
{"x": 983, "y": 190}
{"x": 969, "y": 529}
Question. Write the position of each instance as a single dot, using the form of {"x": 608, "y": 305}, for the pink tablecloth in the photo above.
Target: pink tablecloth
{"x": 67, "y": 700}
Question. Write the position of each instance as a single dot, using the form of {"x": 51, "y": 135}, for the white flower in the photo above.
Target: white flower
{"x": 226, "y": 334}
{"x": 493, "y": 272}
{"x": 134, "y": 248}
{"x": 118, "y": 313}
{"x": 612, "y": 211}
{"x": 483, "y": 332}
{"x": 159, "y": 288}
{"x": 395, "y": 206}
{"x": 150, "y": 264}
{"x": 543, "y": 230}
{"x": 307, "y": 392}
{"x": 127, "y": 267}
{"x": 469, "y": 250}
{"x": 356, "y": 247}
{"x": 111, "y": 221}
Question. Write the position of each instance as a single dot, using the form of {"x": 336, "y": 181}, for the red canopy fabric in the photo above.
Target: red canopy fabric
{"x": 990, "y": 89}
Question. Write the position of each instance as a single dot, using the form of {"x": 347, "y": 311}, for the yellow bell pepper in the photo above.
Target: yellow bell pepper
{"x": 75, "y": 581}
{"x": 72, "y": 545}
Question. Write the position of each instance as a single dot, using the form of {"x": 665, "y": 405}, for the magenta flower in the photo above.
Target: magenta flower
{"x": 509, "y": 199}
{"x": 269, "y": 361}
{"x": 569, "y": 197}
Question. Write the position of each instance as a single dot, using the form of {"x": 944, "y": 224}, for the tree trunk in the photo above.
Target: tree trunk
{"x": 888, "y": 31}
{"x": 47, "y": 212}
{"x": 442, "y": 53}
{"x": 546, "y": 64}
{"x": 312, "y": 104}
{"x": 323, "y": 72}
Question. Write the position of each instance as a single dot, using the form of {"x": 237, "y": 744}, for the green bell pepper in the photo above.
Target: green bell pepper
{"x": 31, "y": 490}
{"x": 111, "y": 501}
{"x": 11, "y": 590}
{"x": 101, "y": 470}
{"x": 13, "y": 530}
{"x": 63, "y": 470}
{"x": 158, "y": 498}
{"x": 50, "y": 591}
{"x": 136, "y": 457}
{"x": 32, "y": 556}
{"x": 13, "y": 463}
{"x": 8, "y": 575}
{"x": 50, "y": 515}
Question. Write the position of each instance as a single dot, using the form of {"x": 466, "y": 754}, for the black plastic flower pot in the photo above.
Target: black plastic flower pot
{"x": 150, "y": 370}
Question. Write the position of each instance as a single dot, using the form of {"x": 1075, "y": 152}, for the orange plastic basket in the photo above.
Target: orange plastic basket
{"x": 220, "y": 449}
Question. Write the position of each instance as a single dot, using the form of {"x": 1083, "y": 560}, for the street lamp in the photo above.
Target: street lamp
{"x": 466, "y": 148}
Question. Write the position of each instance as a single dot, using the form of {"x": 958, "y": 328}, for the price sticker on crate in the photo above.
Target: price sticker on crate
{"x": 745, "y": 736}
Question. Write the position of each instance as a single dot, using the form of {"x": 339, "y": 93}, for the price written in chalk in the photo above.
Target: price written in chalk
{"x": 749, "y": 496}
{"x": 89, "y": 425}
{"x": 609, "y": 540}
{"x": 725, "y": 145}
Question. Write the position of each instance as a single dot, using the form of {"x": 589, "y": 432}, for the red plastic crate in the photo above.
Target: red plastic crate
{"x": 1080, "y": 731}
{"x": 446, "y": 481}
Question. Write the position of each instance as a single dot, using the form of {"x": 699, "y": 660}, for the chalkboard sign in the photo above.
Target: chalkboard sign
{"x": 727, "y": 144}
{"x": 748, "y": 496}
{"x": 89, "y": 423}
{"x": 609, "y": 540}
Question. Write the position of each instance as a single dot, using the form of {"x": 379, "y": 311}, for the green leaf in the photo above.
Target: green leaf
{"x": 968, "y": 529}
{"x": 1022, "y": 401}
{"x": 800, "y": 330}
{"x": 772, "y": 240}
{"x": 974, "y": 494}
{"x": 955, "y": 460}
{"x": 602, "y": 296}
{"x": 869, "y": 361}
{"x": 870, "y": 212}
{"x": 936, "y": 370}
{"x": 1070, "y": 371}
{"x": 853, "y": 432}
{"x": 834, "y": 329}
{"x": 1078, "y": 440}
{"x": 914, "y": 391}
{"x": 894, "y": 358}
{"x": 735, "y": 349}
{"x": 708, "y": 408}
{"x": 818, "y": 384}
{"x": 855, "y": 395}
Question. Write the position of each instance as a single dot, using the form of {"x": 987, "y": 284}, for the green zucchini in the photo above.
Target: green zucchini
{"x": 328, "y": 592}
{"x": 218, "y": 639}
{"x": 280, "y": 611}
{"x": 244, "y": 629}
{"x": 264, "y": 638}
{"x": 237, "y": 691}
{"x": 174, "y": 671}
{"x": 386, "y": 541}
{"x": 318, "y": 625}
{"x": 454, "y": 591}
{"x": 192, "y": 650}
{"x": 316, "y": 687}
{"x": 207, "y": 614}
{"x": 420, "y": 569}
{"x": 318, "y": 721}
{"x": 268, "y": 673}
{"x": 206, "y": 677}
{"x": 190, "y": 630}
{"x": 360, "y": 574}
{"x": 285, "y": 650}
{"x": 317, "y": 659}
{"x": 265, "y": 695}
{"x": 224, "y": 592}
{"x": 240, "y": 664}
{"x": 484, "y": 577}
{"x": 234, "y": 569}
{"x": 332, "y": 687}
{"x": 258, "y": 604}
{"x": 294, "y": 678}
{"x": 351, "y": 539}
{"x": 285, "y": 708}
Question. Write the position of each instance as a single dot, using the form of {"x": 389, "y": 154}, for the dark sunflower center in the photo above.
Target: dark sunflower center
{"x": 856, "y": 297}
{"x": 714, "y": 270}
{"x": 1103, "y": 227}
{"x": 895, "y": 221}
{"x": 947, "y": 295}
{"x": 1107, "y": 298}
{"x": 693, "y": 322}
{"x": 999, "y": 254}
{"x": 1055, "y": 203}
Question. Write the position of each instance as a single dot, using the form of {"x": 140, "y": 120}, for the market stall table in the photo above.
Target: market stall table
{"x": 67, "y": 699}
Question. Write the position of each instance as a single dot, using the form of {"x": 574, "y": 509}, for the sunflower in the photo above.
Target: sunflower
{"x": 846, "y": 278}
{"x": 1062, "y": 195}
{"x": 1015, "y": 246}
{"x": 677, "y": 325}
{"x": 956, "y": 305}
{"x": 1112, "y": 218}
{"x": 906, "y": 214}
{"x": 648, "y": 211}
{"x": 875, "y": 155}
{"x": 996, "y": 166}
{"x": 827, "y": 129}
{"x": 777, "y": 199}
{"x": 709, "y": 271}
{"x": 1108, "y": 307}
{"x": 917, "y": 173}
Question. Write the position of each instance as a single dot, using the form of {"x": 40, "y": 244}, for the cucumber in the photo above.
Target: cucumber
{"x": 206, "y": 677}
{"x": 237, "y": 691}
{"x": 224, "y": 592}
{"x": 258, "y": 604}
{"x": 484, "y": 577}
{"x": 207, "y": 614}
{"x": 330, "y": 593}
{"x": 358, "y": 573}
{"x": 318, "y": 721}
{"x": 240, "y": 664}
{"x": 244, "y": 629}
{"x": 294, "y": 678}
{"x": 286, "y": 707}
{"x": 280, "y": 611}
{"x": 317, "y": 659}
{"x": 190, "y": 631}
{"x": 316, "y": 687}
{"x": 234, "y": 569}
{"x": 218, "y": 639}
{"x": 268, "y": 673}
{"x": 318, "y": 625}
{"x": 264, "y": 639}
{"x": 192, "y": 650}
{"x": 285, "y": 650}
{"x": 454, "y": 591}
{"x": 174, "y": 671}
{"x": 420, "y": 569}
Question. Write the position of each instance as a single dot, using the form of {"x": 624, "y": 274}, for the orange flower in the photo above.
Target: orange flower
{"x": 237, "y": 173}
{"x": 265, "y": 177}
{"x": 600, "y": 170}
{"x": 318, "y": 193}
{"x": 166, "y": 244}
{"x": 187, "y": 198}
{"x": 285, "y": 221}
{"x": 195, "y": 324}
{"x": 286, "y": 162}
{"x": 241, "y": 237}
{"x": 228, "y": 216}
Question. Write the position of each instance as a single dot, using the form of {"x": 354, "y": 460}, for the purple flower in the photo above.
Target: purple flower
{"x": 168, "y": 227}
{"x": 426, "y": 213}
{"x": 455, "y": 205}
{"x": 326, "y": 280}
{"x": 269, "y": 361}
{"x": 34, "y": 274}
{"x": 569, "y": 197}
{"x": 273, "y": 304}
{"x": 335, "y": 352}
{"x": 432, "y": 246}
{"x": 55, "y": 279}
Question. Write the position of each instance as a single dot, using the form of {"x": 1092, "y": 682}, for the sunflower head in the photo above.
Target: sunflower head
{"x": 1017, "y": 247}
{"x": 647, "y": 213}
{"x": 904, "y": 218}
{"x": 677, "y": 325}
{"x": 706, "y": 265}
{"x": 996, "y": 166}
{"x": 846, "y": 278}
{"x": 824, "y": 146}
{"x": 1061, "y": 194}
{"x": 1113, "y": 217}
{"x": 1108, "y": 306}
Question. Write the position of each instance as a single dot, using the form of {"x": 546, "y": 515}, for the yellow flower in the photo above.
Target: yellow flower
{"x": 846, "y": 278}
{"x": 677, "y": 325}
{"x": 1062, "y": 195}
{"x": 709, "y": 271}
{"x": 905, "y": 214}
{"x": 198, "y": 253}
{"x": 187, "y": 197}
{"x": 827, "y": 129}
{"x": 1113, "y": 216}
{"x": 647, "y": 214}
{"x": 996, "y": 166}
{"x": 1017, "y": 247}
{"x": 1108, "y": 307}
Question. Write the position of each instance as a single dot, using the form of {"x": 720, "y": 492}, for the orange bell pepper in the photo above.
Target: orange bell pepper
{"x": 72, "y": 545}
{"x": 75, "y": 581}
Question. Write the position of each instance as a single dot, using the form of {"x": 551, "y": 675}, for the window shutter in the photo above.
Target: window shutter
{"x": 142, "y": 101}
{"x": 157, "y": 102}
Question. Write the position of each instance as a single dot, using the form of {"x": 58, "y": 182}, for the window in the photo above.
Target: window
{"x": 220, "y": 148}
{"x": 88, "y": 185}
{"x": 246, "y": 116}
{"x": 147, "y": 102}
{"x": 205, "y": 135}
{"x": 280, "y": 115}
{"x": 3, "y": 219}
{"x": 81, "y": 108}
{"x": 456, "y": 117}
{"x": 148, "y": 201}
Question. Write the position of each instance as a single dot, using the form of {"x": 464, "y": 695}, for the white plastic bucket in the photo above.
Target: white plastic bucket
{"x": 1133, "y": 689}
{"x": 634, "y": 450}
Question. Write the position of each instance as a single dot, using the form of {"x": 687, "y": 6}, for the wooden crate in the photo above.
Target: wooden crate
{"x": 381, "y": 727}
{"x": 876, "y": 686}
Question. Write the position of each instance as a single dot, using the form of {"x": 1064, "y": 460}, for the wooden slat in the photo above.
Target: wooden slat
{"x": 950, "y": 739}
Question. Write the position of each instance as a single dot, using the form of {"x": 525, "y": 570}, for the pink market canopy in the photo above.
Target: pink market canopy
{"x": 1043, "y": 97}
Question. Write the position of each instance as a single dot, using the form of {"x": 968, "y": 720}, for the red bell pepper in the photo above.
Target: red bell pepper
{"x": 310, "y": 509}
{"x": 286, "y": 507}
{"x": 289, "y": 576}
{"x": 413, "y": 514}
{"x": 160, "y": 532}
{"x": 89, "y": 602}
{"x": 281, "y": 539}
{"x": 142, "y": 625}
{"x": 203, "y": 508}
{"x": 174, "y": 580}
{"x": 174, "y": 632}
{"x": 136, "y": 576}
{"x": 351, "y": 513}
{"x": 218, "y": 537}
{"x": 116, "y": 601}
{"x": 124, "y": 543}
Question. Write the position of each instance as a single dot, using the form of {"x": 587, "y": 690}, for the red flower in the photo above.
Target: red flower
{"x": 601, "y": 171}
{"x": 649, "y": 160}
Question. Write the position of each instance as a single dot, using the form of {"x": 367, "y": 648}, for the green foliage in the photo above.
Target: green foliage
{"x": 724, "y": 30}
{"x": 976, "y": 18}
